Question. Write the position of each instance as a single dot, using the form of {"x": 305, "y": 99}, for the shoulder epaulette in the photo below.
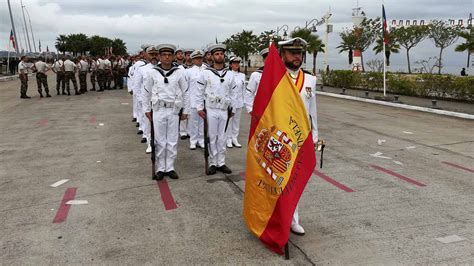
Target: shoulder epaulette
{"x": 308, "y": 72}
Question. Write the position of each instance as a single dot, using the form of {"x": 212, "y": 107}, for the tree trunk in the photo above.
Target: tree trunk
{"x": 439, "y": 62}
{"x": 362, "y": 61}
{"x": 468, "y": 57}
{"x": 408, "y": 60}
{"x": 315, "y": 54}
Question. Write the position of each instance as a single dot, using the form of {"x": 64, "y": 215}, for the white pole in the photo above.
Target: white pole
{"x": 13, "y": 28}
{"x": 8, "y": 58}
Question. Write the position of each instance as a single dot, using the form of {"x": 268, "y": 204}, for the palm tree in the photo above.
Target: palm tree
{"x": 315, "y": 45}
{"x": 348, "y": 44}
{"x": 62, "y": 43}
{"x": 468, "y": 45}
{"x": 391, "y": 47}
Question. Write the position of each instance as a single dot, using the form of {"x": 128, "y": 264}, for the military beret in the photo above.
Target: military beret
{"x": 197, "y": 54}
{"x": 263, "y": 52}
{"x": 166, "y": 48}
{"x": 216, "y": 47}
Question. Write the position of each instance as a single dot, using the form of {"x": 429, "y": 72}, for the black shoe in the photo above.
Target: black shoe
{"x": 47, "y": 95}
{"x": 68, "y": 93}
{"x": 58, "y": 93}
{"x": 41, "y": 95}
{"x": 138, "y": 124}
{"x": 172, "y": 174}
{"x": 78, "y": 93}
{"x": 183, "y": 137}
{"x": 159, "y": 176}
{"x": 224, "y": 169}
{"x": 140, "y": 132}
{"x": 101, "y": 90}
{"x": 25, "y": 97}
{"x": 212, "y": 170}
{"x": 134, "y": 120}
{"x": 143, "y": 140}
{"x": 93, "y": 89}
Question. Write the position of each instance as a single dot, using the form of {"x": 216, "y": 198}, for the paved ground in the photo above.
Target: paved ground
{"x": 359, "y": 209}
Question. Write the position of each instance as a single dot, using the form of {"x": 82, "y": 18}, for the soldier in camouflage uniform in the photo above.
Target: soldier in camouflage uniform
{"x": 93, "y": 70}
{"x": 41, "y": 78}
{"x": 83, "y": 67}
{"x": 23, "y": 71}
{"x": 58, "y": 69}
{"x": 70, "y": 75}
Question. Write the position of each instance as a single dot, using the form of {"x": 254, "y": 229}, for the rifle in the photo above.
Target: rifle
{"x": 321, "y": 146}
{"x": 179, "y": 115}
{"x": 229, "y": 115}
{"x": 206, "y": 141}
{"x": 153, "y": 150}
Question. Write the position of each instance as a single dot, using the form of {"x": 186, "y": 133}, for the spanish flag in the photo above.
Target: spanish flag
{"x": 280, "y": 155}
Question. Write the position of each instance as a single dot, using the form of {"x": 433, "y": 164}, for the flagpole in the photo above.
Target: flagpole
{"x": 384, "y": 60}
{"x": 13, "y": 27}
{"x": 8, "y": 59}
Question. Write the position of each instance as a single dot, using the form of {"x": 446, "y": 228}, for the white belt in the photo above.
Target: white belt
{"x": 217, "y": 103}
{"x": 165, "y": 104}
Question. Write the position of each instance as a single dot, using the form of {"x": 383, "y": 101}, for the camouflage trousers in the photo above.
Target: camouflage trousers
{"x": 60, "y": 82}
{"x": 42, "y": 79}
{"x": 69, "y": 76}
{"x": 118, "y": 79}
{"x": 83, "y": 81}
{"x": 109, "y": 77}
{"x": 93, "y": 79}
{"x": 24, "y": 84}
{"x": 101, "y": 79}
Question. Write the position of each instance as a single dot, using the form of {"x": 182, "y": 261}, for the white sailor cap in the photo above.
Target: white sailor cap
{"x": 197, "y": 54}
{"x": 263, "y": 52}
{"x": 235, "y": 59}
{"x": 152, "y": 49}
{"x": 216, "y": 47}
{"x": 178, "y": 49}
{"x": 293, "y": 44}
{"x": 188, "y": 50}
{"x": 144, "y": 46}
{"x": 165, "y": 47}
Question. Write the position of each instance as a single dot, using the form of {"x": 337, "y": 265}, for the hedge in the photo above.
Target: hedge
{"x": 422, "y": 85}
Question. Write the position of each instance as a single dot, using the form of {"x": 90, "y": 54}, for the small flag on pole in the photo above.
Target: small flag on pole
{"x": 12, "y": 39}
{"x": 385, "y": 26}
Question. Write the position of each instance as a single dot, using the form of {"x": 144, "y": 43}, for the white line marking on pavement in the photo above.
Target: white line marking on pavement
{"x": 408, "y": 132}
{"x": 381, "y": 141}
{"x": 450, "y": 239}
{"x": 397, "y": 162}
{"x": 399, "y": 105}
{"x": 410, "y": 147}
{"x": 60, "y": 182}
{"x": 101, "y": 124}
{"x": 124, "y": 103}
{"x": 98, "y": 161}
{"x": 77, "y": 202}
{"x": 379, "y": 155}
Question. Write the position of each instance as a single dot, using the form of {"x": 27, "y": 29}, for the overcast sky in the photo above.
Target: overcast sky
{"x": 195, "y": 23}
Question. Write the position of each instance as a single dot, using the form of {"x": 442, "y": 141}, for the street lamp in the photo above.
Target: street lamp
{"x": 284, "y": 28}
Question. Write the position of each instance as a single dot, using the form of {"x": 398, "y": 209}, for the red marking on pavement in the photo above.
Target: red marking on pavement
{"x": 43, "y": 122}
{"x": 166, "y": 196}
{"x": 332, "y": 181}
{"x": 98, "y": 97}
{"x": 407, "y": 179}
{"x": 63, "y": 210}
{"x": 459, "y": 166}
{"x": 93, "y": 120}
{"x": 242, "y": 174}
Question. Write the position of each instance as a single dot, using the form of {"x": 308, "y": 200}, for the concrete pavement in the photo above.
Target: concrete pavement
{"x": 411, "y": 173}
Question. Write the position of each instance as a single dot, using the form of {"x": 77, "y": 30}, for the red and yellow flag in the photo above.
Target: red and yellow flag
{"x": 280, "y": 155}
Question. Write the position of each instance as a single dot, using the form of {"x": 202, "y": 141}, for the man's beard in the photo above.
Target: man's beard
{"x": 219, "y": 61}
{"x": 292, "y": 66}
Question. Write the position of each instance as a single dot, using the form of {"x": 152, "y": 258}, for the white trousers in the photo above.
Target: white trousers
{"x": 234, "y": 125}
{"x": 183, "y": 128}
{"x": 196, "y": 128}
{"x": 145, "y": 125}
{"x": 296, "y": 217}
{"x": 135, "y": 107}
{"x": 165, "y": 123}
{"x": 216, "y": 119}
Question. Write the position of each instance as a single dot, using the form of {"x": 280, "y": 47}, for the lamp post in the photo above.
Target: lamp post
{"x": 13, "y": 28}
{"x": 284, "y": 28}
{"x": 26, "y": 27}
{"x": 31, "y": 29}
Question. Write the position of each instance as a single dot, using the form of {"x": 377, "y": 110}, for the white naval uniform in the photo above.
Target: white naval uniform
{"x": 252, "y": 87}
{"x": 139, "y": 81}
{"x": 131, "y": 87}
{"x": 166, "y": 99}
{"x": 216, "y": 88}
{"x": 195, "y": 122}
{"x": 238, "y": 103}
{"x": 183, "y": 124}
